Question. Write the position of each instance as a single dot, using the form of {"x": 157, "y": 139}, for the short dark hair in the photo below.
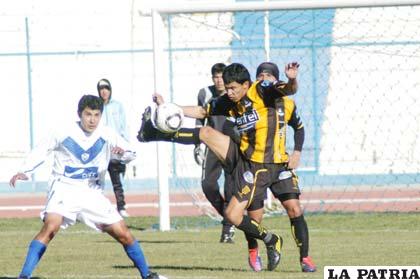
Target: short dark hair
{"x": 236, "y": 72}
{"x": 90, "y": 101}
{"x": 217, "y": 68}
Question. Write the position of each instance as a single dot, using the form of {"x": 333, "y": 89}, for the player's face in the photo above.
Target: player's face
{"x": 236, "y": 91}
{"x": 266, "y": 76}
{"x": 218, "y": 82}
{"x": 89, "y": 119}
{"x": 105, "y": 94}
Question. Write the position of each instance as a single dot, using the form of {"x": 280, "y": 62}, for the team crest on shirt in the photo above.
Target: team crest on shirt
{"x": 247, "y": 103}
{"x": 85, "y": 157}
{"x": 248, "y": 177}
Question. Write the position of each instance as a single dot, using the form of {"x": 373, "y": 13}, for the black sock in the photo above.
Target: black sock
{"x": 253, "y": 229}
{"x": 300, "y": 234}
{"x": 252, "y": 242}
{"x": 187, "y": 136}
{"x": 148, "y": 132}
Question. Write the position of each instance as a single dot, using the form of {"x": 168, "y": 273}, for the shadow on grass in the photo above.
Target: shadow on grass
{"x": 148, "y": 241}
{"x": 134, "y": 228}
{"x": 206, "y": 268}
{"x": 15, "y": 277}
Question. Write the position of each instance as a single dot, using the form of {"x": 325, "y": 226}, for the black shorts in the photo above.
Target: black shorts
{"x": 251, "y": 179}
{"x": 287, "y": 186}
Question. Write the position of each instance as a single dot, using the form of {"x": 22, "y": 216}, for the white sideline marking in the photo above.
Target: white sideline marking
{"x": 188, "y": 204}
{"x": 128, "y": 205}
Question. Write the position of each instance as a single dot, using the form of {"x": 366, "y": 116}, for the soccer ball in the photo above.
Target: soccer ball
{"x": 168, "y": 118}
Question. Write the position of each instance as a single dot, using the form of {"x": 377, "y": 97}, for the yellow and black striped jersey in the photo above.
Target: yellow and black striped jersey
{"x": 261, "y": 118}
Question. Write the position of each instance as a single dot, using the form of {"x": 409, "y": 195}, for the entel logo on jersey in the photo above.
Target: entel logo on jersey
{"x": 247, "y": 120}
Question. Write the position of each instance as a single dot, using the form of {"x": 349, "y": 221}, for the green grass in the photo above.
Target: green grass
{"x": 194, "y": 252}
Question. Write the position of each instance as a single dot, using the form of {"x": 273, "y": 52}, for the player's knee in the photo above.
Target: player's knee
{"x": 125, "y": 238}
{"x": 233, "y": 216}
{"x": 294, "y": 211}
{"x": 48, "y": 231}
{"x": 206, "y": 132}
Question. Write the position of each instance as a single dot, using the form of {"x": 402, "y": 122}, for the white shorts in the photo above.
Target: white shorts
{"x": 82, "y": 203}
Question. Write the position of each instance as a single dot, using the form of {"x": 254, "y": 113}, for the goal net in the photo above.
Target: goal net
{"x": 358, "y": 93}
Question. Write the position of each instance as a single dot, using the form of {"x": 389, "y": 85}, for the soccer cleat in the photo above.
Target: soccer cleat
{"x": 307, "y": 265}
{"x": 154, "y": 275}
{"x": 147, "y": 130}
{"x": 254, "y": 260}
{"x": 226, "y": 238}
{"x": 124, "y": 213}
{"x": 227, "y": 235}
{"x": 274, "y": 253}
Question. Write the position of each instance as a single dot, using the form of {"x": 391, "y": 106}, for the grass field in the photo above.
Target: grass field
{"x": 194, "y": 252}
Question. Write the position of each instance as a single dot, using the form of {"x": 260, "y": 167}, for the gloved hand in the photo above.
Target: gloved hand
{"x": 198, "y": 155}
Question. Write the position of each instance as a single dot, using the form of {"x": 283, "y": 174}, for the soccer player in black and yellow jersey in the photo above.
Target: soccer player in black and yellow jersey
{"x": 287, "y": 191}
{"x": 258, "y": 159}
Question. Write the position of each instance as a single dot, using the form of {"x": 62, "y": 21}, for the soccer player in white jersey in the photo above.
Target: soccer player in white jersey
{"x": 81, "y": 156}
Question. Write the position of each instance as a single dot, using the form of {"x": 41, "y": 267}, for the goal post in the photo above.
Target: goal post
{"x": 360, "y": 63}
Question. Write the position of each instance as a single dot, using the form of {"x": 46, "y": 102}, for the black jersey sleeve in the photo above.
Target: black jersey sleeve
{"x": 220, "y": 106}
{"x": 296, "y": 123}
{"x": 275, "y": 89}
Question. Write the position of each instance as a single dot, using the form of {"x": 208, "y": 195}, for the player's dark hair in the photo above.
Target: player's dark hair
{"x": 236, "y": 72}
{"x": 90, "y": 101}
{"x": 217, "y": 68}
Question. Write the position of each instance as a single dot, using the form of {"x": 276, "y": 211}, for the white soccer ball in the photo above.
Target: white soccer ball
{"x": 168, "y": 118}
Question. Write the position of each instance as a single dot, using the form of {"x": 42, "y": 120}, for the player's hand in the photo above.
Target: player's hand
{"x": 198, "y": 155}
{"x": 158, "y": 99}
{"x": 117, "y": 150}
{"x": 294, "y": 160}
{"x": 16, "y": 177}
{"x": 291, "y": 70}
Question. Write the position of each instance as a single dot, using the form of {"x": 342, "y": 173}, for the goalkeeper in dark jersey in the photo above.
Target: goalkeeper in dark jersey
{"x": 211, "y": 165}
{"x": 259, "y": 158}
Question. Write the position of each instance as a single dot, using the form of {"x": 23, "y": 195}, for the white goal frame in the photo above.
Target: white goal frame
{"x": 161, "y": 80}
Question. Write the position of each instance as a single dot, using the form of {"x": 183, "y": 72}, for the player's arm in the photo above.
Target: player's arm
{"x": 291, "y": 71}
{"x": 196, "y": 112}
{"x": 201, "y": 103}
{"x": 299, "y": 137}
{"x": 123, "y": 123}
{"x": 284, "y": 88}
{"x": 216, "y": 106}
{"x": 34, "y": 160}
{"x": 122, "y": 150}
